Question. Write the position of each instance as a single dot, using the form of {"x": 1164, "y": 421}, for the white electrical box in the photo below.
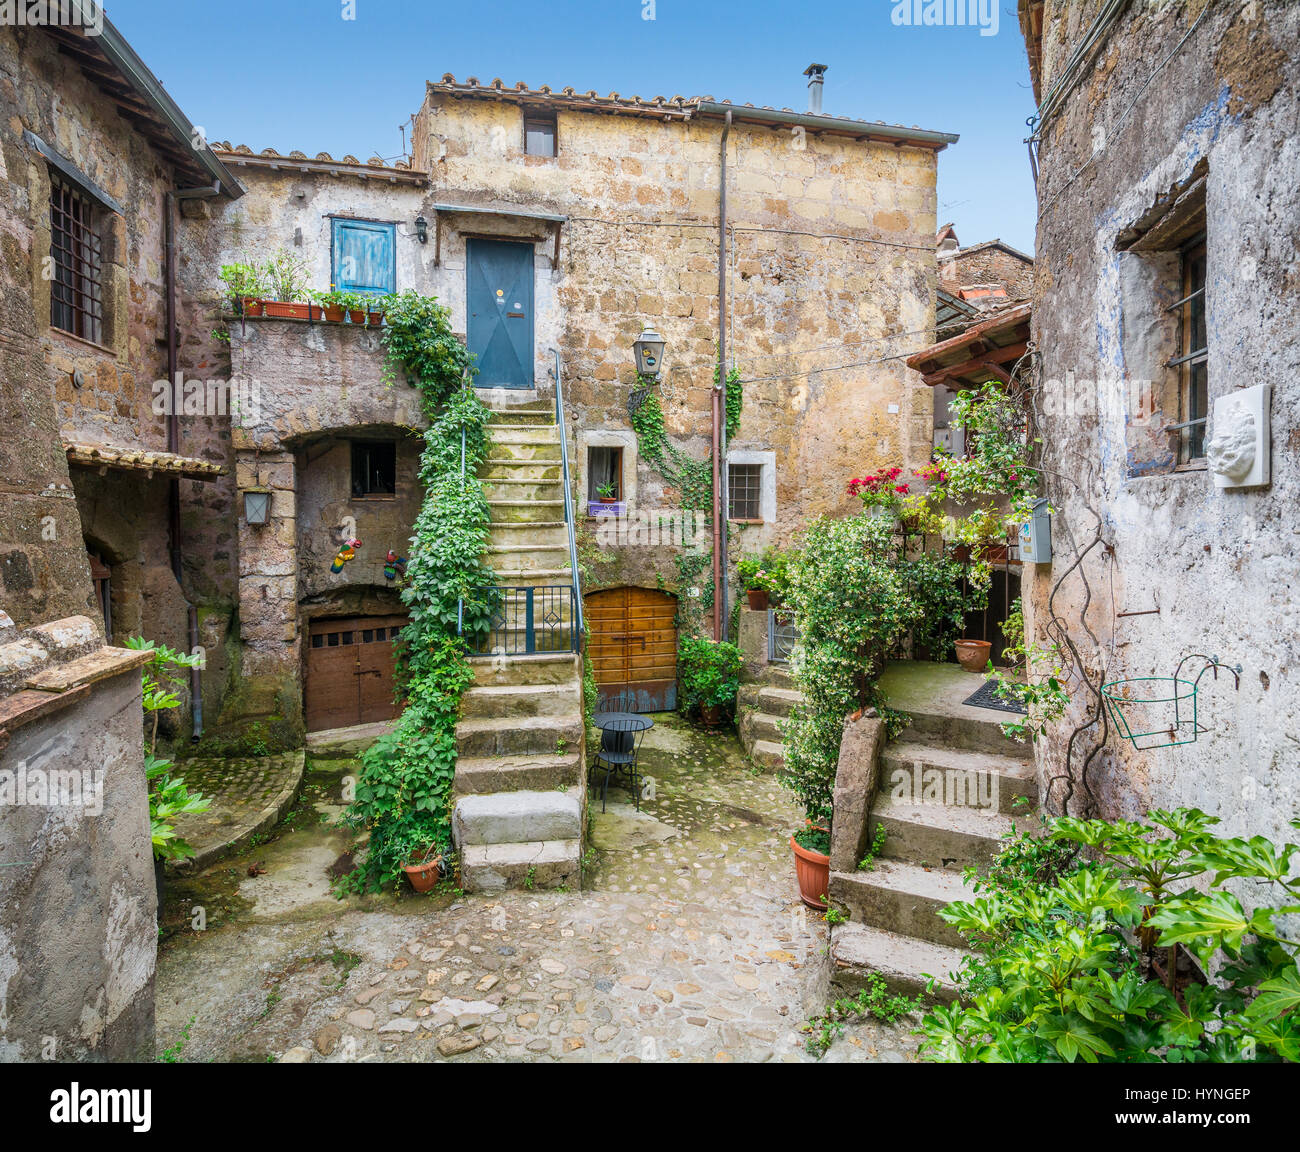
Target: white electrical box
{"x": 1036, "y": 534}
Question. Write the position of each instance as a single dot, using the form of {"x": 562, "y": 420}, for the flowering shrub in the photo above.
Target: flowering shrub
{"x": 881, "y": 490}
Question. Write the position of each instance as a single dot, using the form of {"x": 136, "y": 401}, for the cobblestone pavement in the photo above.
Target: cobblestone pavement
{"x": 688, "y": 942}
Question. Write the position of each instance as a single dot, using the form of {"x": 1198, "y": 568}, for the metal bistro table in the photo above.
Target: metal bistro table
{"x": 621, "y": 734}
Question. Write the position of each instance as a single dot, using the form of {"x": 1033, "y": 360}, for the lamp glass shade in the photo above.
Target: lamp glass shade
{"x": 257, "y": 507}
{"x": 648, "y": 349}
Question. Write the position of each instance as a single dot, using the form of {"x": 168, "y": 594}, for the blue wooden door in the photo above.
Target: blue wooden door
{"x": 499, "y": 295}
{"x": 364, "y": 256}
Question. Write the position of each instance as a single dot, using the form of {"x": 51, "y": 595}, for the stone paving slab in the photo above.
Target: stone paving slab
{"x": 249, "y": 795}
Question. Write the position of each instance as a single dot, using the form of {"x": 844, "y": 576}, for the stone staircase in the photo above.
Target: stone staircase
{"x": 761, "y": 705}
{"x": 894, "y": 927}
{"x": 520, "y": 784}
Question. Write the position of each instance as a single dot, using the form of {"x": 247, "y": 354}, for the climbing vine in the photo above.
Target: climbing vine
{"x": 404, "y": 792}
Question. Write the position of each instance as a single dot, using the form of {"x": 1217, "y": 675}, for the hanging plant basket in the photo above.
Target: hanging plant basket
{"x": 1161, "y": 711}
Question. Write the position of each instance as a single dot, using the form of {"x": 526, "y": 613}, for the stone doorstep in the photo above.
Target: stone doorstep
{"x": 904, "y": 898}
{"x": 905, "y": 963}
{"x": 543, "y": 864}
{"x": 1014, "y": 776}
{"x": 768, "y": 754}
{"x": 942, "y": 836}
{"x": 265, "y": 820}
{"x": 517, "y": 818}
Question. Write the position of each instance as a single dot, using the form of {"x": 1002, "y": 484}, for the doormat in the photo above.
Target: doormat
{"x": 986, "y": 696}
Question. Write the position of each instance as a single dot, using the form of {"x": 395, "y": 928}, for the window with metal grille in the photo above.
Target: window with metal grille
{"x": 374, "y": 468}
{"x": 539, "y": 133}
{"x": 76, "y": 294}
{"x": 745, "y": 491}
{"x": 1192, "y": 360}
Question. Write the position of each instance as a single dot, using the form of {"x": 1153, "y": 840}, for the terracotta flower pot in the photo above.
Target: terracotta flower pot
{"x": 609, "y": 499}
{"x": 374, "y": 319}
{"x": 333, "y": 314}
{"x": 961, "y": 553}
{"x": 759, "y": 598}
{"x": 292, "y": 309}
{"x": 973, "y": 655}
{"x": 993, "y": 552}
{"x": 711, "y": 715}
{"x": 813, "y": 871}
{"x": 252, "y": 306}
{"x": 423, "y": 876}
{"x": 356, "y": 315}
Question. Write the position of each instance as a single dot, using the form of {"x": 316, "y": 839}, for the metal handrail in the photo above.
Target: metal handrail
{"x": 569, "y": 520}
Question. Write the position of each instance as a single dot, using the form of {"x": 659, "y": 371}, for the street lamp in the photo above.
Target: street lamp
{"x": 257, "y": 505}
{"x": 648, "y": 348}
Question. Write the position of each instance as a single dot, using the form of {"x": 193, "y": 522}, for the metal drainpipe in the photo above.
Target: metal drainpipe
{"x": 718, "y": 511}
{"x": 174, "y": 435}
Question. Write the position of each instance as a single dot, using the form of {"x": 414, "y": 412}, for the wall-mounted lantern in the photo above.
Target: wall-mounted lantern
{"x": 648, "y": 348}
{"x": 257, "y": 505}
{"x": 422, "y": 229}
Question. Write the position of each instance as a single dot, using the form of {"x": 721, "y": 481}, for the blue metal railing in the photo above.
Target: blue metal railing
{"x": 520, "y": 621}
{"x": 569, "y": 522}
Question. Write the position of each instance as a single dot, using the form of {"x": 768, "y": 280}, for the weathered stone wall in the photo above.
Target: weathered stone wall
{"x": 1221, "y": 566}
{"x": 986, "y": 265}
{"x": 78, "y": 928}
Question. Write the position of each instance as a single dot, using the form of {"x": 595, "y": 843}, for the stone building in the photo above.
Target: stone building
{"x": 556, "y": 225}
{"x": 94, "y": 158}
{"x": 1168, "y": 385}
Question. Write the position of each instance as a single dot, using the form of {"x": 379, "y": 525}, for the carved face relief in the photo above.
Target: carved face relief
{"x": 1231, "y": 451}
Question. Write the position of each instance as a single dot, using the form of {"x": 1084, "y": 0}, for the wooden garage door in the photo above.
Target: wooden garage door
{"x": 350, "y": 671}
{"x": 633, "y": 646}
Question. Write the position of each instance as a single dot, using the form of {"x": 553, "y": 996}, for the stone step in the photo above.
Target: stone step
{"x": 529, "y": 555}
{"x": 903, "y": 898}
{"x": 979, "y": 734}
{"x": 527, "y": 434}
{"x": 517, "y": 817}
{"x": 521, "y": 470}
{"x": 549, "y": 668}
{"x": 777, "y": 701}
{"x": 768, "y": 753}
{"x": 762, "y": 726}
{"x": 522, "y": 489}
{"x": 481, "y": 701}
{"x": 525, "y": 511}
{"x": 905, "y": 963}
{"x": 937, "y": 835}
{"x": 481, "y": 775}
{"x": 522, "y": 453}
{"x": 519, "y": 735}
{"x": 778, "y": 676}
{"x": 517, "y": 577}
{"x": 911, "y": 767}
{"x": 524, "y": 414}
{"x": 541, "y": 533}
{"x": 542, "y": 864}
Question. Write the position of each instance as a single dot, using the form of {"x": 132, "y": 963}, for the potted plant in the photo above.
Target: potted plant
{"x": 424, "y": 867}
{"x": 286, "y": 275}
{"x": 607, "y": 493}
{"x": 812, "y": 863}
{"x": 708, "y": 674}
{"x": 243, "y": 284}
{"x": 766, "y": 578}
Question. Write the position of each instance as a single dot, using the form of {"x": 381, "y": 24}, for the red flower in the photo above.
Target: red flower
{"x": 901, "y": 489}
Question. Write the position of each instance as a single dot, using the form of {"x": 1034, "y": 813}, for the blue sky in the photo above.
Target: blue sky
{"x": 295, "y": 74}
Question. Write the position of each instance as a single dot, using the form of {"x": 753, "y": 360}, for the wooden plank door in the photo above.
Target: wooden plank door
{"x": 499, "y": 297}
{"x": 350, "y": 671}
{"x": 633, "y": 646}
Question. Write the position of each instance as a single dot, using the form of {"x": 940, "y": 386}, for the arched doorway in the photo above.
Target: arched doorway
{"x": 633, "y": 646}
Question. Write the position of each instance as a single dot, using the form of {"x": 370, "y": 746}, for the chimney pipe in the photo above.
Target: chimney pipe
{"x": 815, "y": 72}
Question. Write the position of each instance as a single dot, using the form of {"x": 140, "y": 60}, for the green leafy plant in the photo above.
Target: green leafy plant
{"x": 768, "y": 572}
{"x": 169, "y": 798}
{"x": 242, "y": 281}
{"x": 418, "y": 339}
{"x": 868, "y": 862}
{"x": 1079, "y": 939}
{"x": 874, "y": 1000}
{"x": 814, "y": 838}
{"x": 349, "y": 300}
{"x": 286, "y": 276}
{"x": 607, "y": 491}
{"x": 1038, "y": 684}
{"x": 708, "y": 672}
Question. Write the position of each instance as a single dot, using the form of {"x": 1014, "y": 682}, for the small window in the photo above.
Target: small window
{"x": 363, "y": 256}
{"x": 745, "y": 491}
{"x": 539, "y": 133}
{"x": 374, "y": 468}
{"x": 1192, "y": 361}
{"x": 76, "y": 253}
{"x": 318, "y": 641}
{"x": 604, "y": 470}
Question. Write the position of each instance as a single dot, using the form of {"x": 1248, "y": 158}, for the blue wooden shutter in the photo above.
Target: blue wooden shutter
{"x": 364, "y": 259}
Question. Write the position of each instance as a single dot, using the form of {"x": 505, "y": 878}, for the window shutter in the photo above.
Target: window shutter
{"x": 364, "y": 256}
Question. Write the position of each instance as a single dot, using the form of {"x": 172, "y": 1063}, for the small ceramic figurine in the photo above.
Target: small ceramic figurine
{"x": 394, "y": 566}
{"x": 344, "y": 554}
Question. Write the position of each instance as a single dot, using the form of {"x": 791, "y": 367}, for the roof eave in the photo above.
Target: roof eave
{"x": 887, "y": 133}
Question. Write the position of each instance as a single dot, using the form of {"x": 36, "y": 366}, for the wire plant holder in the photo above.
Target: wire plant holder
{"x": 1164, "y": 708}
